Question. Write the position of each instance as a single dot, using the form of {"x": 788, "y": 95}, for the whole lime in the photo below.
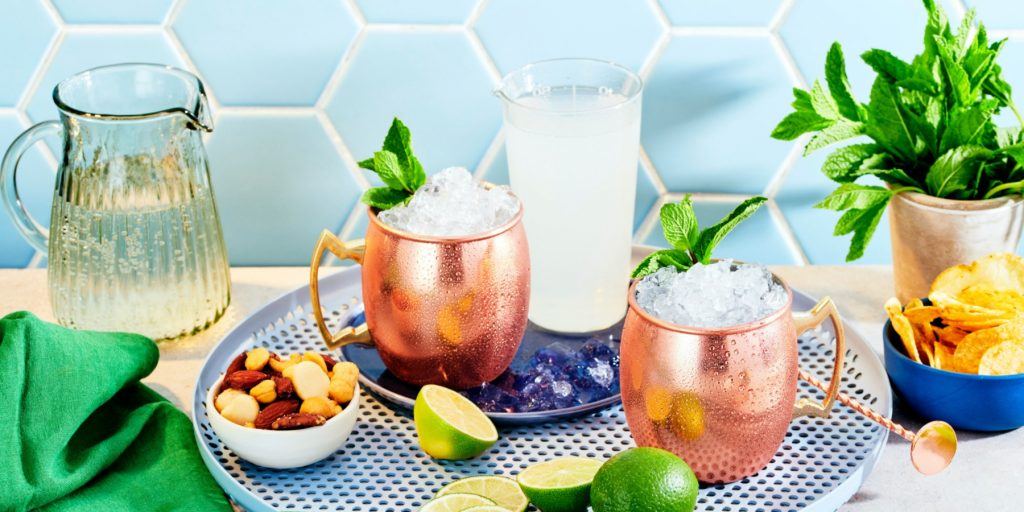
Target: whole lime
{"x": 644, "y": 480}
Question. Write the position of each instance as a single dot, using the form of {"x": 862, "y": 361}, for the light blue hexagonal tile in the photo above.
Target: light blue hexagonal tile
{"x": 434, "y": 82}
{"x": 80, "y": 51}
{"x": 804, "y": 187}
{"x": 416, "y": 11}
{"x": 709, "y": 107}
{"x": 757, "y": 239}
{"x": 813, "y": 25}
{"x": 276, "y": 53}
{"x": 279, "y": 181}
{"x": 646, "y": 192}
{"x": 741, "y": 13}
{"x": 35, "y": 187}
{"x": 25, "y": 32}
{"x": 517, "y": 32}
{"x": 999, "y": 14}
{"x": 113, "y": 11}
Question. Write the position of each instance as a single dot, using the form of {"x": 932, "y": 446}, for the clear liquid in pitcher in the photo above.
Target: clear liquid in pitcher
{"x": 159, "y": 268}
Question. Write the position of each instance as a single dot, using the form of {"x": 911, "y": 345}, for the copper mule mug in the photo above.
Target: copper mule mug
{"x": 447, "y": 310}
{"x": 721, "y": 398}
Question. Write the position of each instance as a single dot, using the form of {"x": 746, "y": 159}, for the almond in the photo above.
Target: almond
{"x": 244, "y": 379}
{"x": 330, "y": 361}
{"x": 298, "y": 420}
{"x": 272, "y": 412}
{"x": 238, "y": 363}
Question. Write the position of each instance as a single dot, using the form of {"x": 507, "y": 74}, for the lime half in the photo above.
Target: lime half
{"x": 504, "y": 492}
{"x": 456, "y": 503}
{"x": 560, "y": 485}
{"x": 449, "y": 426}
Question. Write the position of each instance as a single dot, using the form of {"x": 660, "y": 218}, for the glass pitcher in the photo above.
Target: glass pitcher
{"x": 135, "y": 243}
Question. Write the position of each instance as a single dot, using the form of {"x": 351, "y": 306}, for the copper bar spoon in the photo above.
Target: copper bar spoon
{"x": 931, "y": 448}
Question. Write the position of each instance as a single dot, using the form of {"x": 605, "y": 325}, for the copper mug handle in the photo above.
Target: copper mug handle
{"x": 354, "y": 250}
{"x": 805, "y": 321}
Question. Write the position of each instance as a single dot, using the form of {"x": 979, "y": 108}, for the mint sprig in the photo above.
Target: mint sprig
{"x": 397, "y": 167}
{"x": 929, "y": 121}
{"x": 690, "y": 244}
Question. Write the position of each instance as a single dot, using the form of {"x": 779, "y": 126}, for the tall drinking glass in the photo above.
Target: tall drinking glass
{"x": 572, "y": 134}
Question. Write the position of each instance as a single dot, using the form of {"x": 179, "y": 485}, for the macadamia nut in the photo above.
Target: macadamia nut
{"x": 225, "y": 397}
{"x": 241, "y": 410}
{"x": 316, "y": 358}
{"x": 309, "y": 379}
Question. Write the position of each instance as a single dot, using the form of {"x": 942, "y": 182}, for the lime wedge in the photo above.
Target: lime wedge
{"x": 456, "y": 503}
{"x": 504, "y": 492}
{"x": 560, "y": 485}
{"x": 449, "y": 426}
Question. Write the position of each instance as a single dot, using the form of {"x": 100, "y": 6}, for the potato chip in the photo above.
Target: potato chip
{"x": 950, "y": 335}
{"x": 997, "y": 271}
{"x": 1006, "y": 358}
{"x": 943, "y": 356}
{"x": 1006, "y": 300}
{"x": 970, "y": 351}
{"x": 903, "y": 327}
{"x": 921, "y": 314}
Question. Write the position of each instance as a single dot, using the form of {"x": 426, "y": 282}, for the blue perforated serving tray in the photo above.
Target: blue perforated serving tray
{"x": 819, "y": 466}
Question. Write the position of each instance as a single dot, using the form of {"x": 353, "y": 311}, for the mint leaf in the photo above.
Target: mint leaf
{"x": 888, "y": 65}
{"x": 366, "y": 164}
{"x": 955, "y": 174}
{"x": 802, "y": 100}
{"x": 843, "y": 165}
{"x": 839, "y": 84}
{"x": 956, "y": 78}
{"x": 839, "y": 131}
{"x": 798, "y": 123}
{"x": 679, "y": 224}
{"x": 894, "y": 177}
{"x": 822, "y": 103}
{"x": 711, "y": 237}
{"x": 867, "y": 222}
{"x": 852, "y": 195}
{"x": 887, "y": 124}
{"x": 399, "y": 142}
{"x": 965, "y": 126}
{"x": 383, "y": 198}
{"x": 386, "y": 165}
{"x": 660, "y": 259}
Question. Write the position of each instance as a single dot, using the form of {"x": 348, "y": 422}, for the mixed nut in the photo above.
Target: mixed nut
{"x": 263, "y": 390}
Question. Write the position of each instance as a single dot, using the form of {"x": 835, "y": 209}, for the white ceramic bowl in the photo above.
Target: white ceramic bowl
{"x": 281, "y": 449}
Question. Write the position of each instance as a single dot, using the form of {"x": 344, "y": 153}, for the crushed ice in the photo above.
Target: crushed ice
{"x": 721, "y": 294}
{"x": 451, "y": 203}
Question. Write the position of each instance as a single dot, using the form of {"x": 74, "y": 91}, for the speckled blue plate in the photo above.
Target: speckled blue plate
{"x": 376, "y": 379}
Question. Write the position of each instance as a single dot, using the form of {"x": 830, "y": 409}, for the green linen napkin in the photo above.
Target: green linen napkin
{"x": 79, "y": 432}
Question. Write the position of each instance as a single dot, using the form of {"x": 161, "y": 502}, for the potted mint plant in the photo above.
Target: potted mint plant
{"x": 952, "y": 178}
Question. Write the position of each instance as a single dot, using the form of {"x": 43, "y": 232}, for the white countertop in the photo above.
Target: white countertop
{"x": 987, "y": 474}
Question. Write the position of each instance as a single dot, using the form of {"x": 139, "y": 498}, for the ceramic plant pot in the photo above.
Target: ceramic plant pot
{"x": 930, "y": 234}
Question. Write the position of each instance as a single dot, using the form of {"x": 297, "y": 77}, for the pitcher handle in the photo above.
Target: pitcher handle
{"x": 805, "y": 321}
{"x": 354, "y": 251}
{"x": 34, "y": 233}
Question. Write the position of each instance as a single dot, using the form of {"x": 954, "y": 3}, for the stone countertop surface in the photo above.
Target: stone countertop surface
{"x": 986, "y": 475}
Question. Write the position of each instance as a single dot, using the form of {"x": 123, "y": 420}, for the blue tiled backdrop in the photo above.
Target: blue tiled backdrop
{"x": 303, "y": 89}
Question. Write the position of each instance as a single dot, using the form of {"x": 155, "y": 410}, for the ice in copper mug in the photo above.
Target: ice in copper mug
{"x": 440, "y": 309}
{"x": 721, "y": 398}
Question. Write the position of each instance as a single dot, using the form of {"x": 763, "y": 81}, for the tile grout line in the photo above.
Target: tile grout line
{"x": 353, "y": 169}
{"x": 490, "y": 155}
{"x": 357, "y": 13}
{"x": 788, "y": 236}
{"x": 650, "y": 220}
{"x": 475, "y": 13}
{"x": 327, "y": 95}
{"x": 652, "y": 172}
{"x": 490, "y": 66}
{"x": 787, "y": 164}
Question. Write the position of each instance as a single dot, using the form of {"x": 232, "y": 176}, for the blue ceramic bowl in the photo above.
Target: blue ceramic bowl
{"x": 972, "y": 402}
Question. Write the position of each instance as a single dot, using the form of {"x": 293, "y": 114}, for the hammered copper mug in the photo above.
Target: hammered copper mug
{"x": 447, "y": 310}
{"x": 721, "y": 398}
